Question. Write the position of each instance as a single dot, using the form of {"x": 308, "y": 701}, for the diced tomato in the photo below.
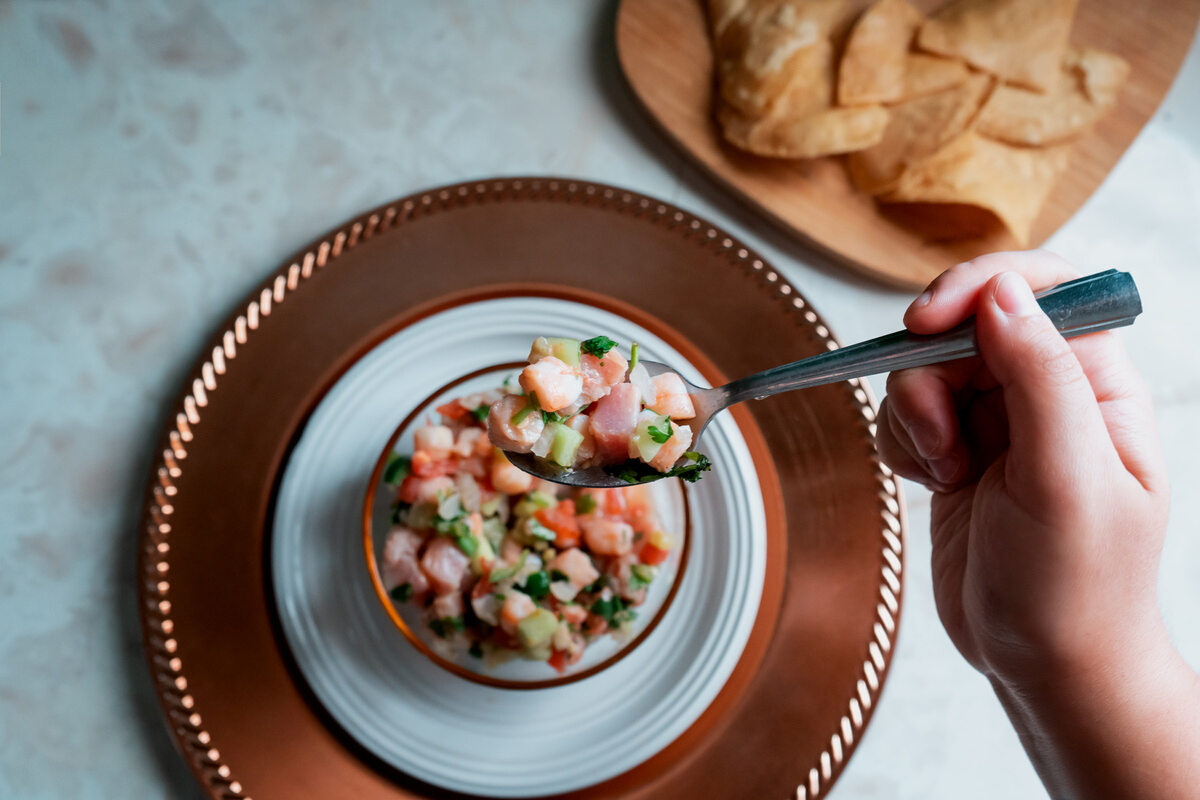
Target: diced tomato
{"x": 452, "y": 411}
{"x": 424, "y": 465}
{"x": 595, "y": 625}
{"x": 652, "y": 555}
{"x": 407, "y": 493}
{"x": 561, "y": 520}
{"x": 558, "y": 660}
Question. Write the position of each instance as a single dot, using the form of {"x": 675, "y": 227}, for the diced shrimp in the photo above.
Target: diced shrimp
{"x": 519, "y": 437}
{"x": 508, "y": 479}
{"x": 601, "y": 374}
{"x": 613, "y": 420}
{"x": 437, "y": 440}
{"x": 556, "y": 384}
{"x": 424, "y": 465}
{"x": 429, "y": 488}
{"x": 447, "y": 605}
{"x": 444, "y": 564}
{"x": 474, "y": 466}
{"x": 400, "y": 563}
{"x": 468, "y": 442}
{"x": 510, "y": 549}
{"x": 573, "y": 614}
{"x": 607, "y": 537}
{"x": 581, "y": 423}
{"x": 517, "y": 606}
{"x": 671, "y": 397}
{"x": 622, "y": 570}
{"x": 578, "y": 568}
{"x": 673, "y": 449}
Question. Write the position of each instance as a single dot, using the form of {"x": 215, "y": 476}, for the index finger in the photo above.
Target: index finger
{"x": 953, "y": 295}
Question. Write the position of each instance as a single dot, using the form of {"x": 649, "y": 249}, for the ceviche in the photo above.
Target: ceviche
{"x": 506, "y": 565}
{"x": 583, "y": 404}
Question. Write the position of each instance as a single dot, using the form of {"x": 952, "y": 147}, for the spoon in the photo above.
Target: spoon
{"x": 1093, "y": 303}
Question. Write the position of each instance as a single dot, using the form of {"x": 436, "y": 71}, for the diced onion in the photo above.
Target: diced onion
{"x": 541, "y": 448}
{"x": 450, "y": 508}
{"x": 640, "y": 378}
{"x": 468, "y": 492}
{"x": 565, "y": 591}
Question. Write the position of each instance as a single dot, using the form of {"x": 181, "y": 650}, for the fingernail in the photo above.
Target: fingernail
{"x": 925, "y": 438}
{"x": 944, "y": 469}
{"x": 922, "y": 299}
{"x": 1014, "y": 296}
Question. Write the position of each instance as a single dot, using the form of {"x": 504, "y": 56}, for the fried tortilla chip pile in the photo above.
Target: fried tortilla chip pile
{"x": 976, "y": 105}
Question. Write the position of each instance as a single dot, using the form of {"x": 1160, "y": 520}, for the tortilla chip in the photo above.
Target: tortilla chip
{"x": 822, "y": 133}
{"x": 926, "y": 74}
{"x": 1103, "y": 73}
{"x": 873, "y": 65}
{"x": 916, "y": 131}
{"x": 1019, "y": 116}
{"x": 775, "y": 65}
{"x": 765, "y": 49}
{"x": 1011, "y": 182}
{"x": 1019, "y": 41}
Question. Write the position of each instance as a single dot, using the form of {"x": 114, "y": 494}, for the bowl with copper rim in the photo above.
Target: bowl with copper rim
{"x": 670, "y": 501}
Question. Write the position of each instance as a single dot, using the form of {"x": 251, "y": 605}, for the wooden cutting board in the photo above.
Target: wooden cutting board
{"x": 664, "y": 51}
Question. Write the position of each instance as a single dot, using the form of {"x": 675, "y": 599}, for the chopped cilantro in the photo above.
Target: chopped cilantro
{"x": 447, "y": 625}
{"x": 558, "y": 575}
{"x": 614, "y": 611}
{"x": 457, "y": 529}
{"x": 476, "y": 649}
{"x": 586, "y": 504}
{"x": 481, "y": 413}
{"x": 400, "y": 513}
{"x": 402, "y": 593}
{"x": 550, "y": 416}
{"x": 597, "y": 585}
{"x": 397, "y": 468}
{"x": 660, "y": 435}
{"x": 636, "y": 472}
{"x": 536, "y": 585}
{"x": 633, "y": 356}
{"x": 597, "y": 346}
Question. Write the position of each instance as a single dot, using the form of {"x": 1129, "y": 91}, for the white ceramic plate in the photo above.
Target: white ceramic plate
{"x": 443, "y": 729}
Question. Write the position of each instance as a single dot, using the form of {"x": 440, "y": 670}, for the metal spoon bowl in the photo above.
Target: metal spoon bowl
{"x": 1093, "y": 303}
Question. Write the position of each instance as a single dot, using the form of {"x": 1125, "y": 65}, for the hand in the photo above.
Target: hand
{"x": 1050, "y": 499}
{"x": 1049, "y": 510}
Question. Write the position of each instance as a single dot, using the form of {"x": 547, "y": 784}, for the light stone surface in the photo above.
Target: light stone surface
{"x": 158, "y": 159}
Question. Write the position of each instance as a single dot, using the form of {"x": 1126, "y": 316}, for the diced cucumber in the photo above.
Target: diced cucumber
{"x": 565, "y": 444}
{"x": 483, "y": 554}
{"x": 532, "y": 502}
{"x": 536, "y": 629}
{"x": 565, "y": 350}
{"x": 642, "y": 444}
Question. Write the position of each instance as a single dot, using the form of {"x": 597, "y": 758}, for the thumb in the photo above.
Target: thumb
{"x": 1055, "y": 425}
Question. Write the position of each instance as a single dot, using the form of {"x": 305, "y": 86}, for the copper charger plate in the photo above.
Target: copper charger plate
{"x": 791, "y": 714}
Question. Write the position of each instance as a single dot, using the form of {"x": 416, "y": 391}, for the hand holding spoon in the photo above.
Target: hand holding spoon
{"x": 1093, "y": 303}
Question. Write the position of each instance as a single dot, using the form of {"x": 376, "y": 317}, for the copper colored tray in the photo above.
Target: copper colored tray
{"x": 665, "y": 54}
{"x": 798, "y": 701}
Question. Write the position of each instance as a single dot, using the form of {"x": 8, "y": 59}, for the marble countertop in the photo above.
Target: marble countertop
{"x": 158, "y": 159}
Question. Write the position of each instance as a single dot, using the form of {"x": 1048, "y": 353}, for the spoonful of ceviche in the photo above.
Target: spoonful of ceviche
{"x": 589, "y": 417}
